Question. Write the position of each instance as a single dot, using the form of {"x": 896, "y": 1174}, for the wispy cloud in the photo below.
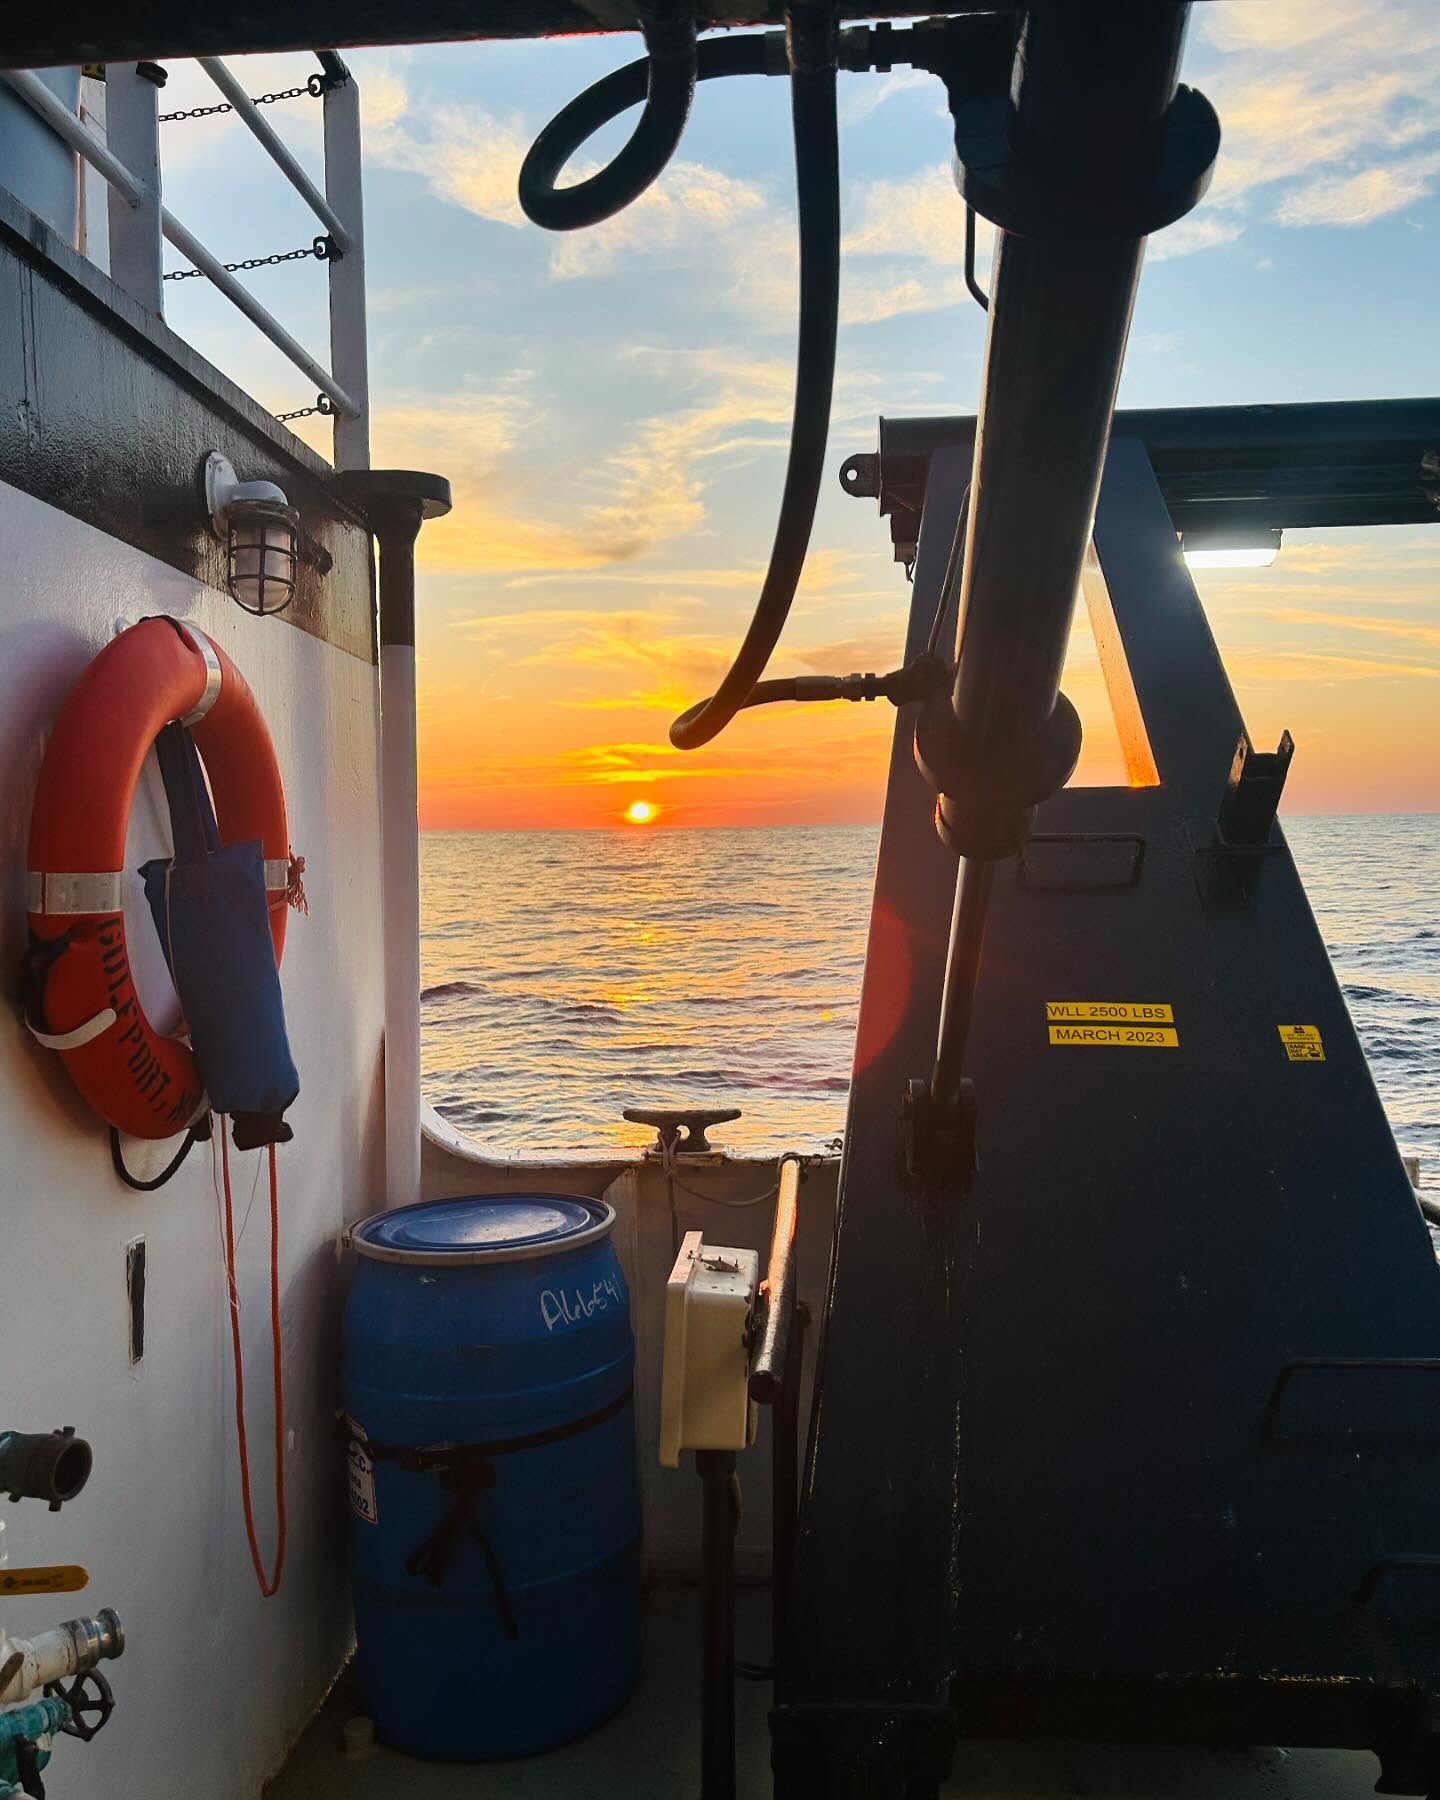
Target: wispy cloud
{"x": 1357, "y": 199}
{"x": 1200, "y": 231}
{"x": 681, "y": 215}
{"x": 1330, "y": 108}
{"x": 1415, "y": 631}
{"x": 472, "y": 157}
{"x": 867, "y": 96}
{"x": 905, "y": 246}
{"x": 476, "y": 438}
{"x": 875, "y": 651}
{"x": 517, "y": 511}
{"x": 808, "y": 751}
{"x": 1256, "y": 664}
{"x": 736, "y": 236}
{"x": 467, "y": 155}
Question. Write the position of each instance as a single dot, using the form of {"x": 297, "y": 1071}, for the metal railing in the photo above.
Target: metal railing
{"x": 129, "y": 161}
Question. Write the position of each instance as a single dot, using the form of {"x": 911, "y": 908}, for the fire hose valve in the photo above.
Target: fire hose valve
{"x": 77, "y": 1700}
{"x": 26, "y": 1733}
{"x": 89, "y": 1700}
{"x": 51, "y": 1659}
{"x": 44, "y": 1465}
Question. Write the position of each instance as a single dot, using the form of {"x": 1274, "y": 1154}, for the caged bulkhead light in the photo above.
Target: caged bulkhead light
{"x": 260, "y": 530}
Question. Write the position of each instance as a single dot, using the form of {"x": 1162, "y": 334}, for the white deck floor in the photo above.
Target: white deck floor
{"x": 651, "y": 1750}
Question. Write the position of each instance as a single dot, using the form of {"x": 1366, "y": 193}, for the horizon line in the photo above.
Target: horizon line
{"x": 657, "y": 827}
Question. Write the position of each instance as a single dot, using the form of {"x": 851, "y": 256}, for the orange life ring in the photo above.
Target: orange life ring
{"x": 83, "y": 1002}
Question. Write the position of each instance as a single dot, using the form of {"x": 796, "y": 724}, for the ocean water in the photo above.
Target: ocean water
{"x": 570, "y": 974}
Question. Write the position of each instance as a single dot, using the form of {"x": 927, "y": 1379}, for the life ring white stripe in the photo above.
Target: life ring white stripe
{"x": 49, "y": 893}
{"x": 54, "y": 895}
{"x": 82, "y": 1034}
{"x": 212, "y": 673}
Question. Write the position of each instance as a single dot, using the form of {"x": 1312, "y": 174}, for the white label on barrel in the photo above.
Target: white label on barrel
{"x": 362, "y": 1484}
{"x": 572, "y": 1306}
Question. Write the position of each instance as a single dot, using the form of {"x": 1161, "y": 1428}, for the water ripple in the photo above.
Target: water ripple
{"x": 571, "y": 974}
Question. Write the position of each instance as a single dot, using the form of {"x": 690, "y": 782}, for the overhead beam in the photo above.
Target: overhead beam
{"x": 97, "y": 31}
{"x": 1323, "y": 465}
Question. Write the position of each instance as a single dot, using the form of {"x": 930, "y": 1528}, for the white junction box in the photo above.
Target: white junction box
{"x": 704, "y": 1388}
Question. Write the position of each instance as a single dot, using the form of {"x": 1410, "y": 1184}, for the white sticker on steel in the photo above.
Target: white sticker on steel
{"x": 361, "y": 1471}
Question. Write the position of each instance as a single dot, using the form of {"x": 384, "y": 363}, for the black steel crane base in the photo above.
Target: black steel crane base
{"x": 1135, "y": 1435}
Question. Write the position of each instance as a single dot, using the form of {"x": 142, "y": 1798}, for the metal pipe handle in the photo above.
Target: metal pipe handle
{"x": 767, "y": 1370}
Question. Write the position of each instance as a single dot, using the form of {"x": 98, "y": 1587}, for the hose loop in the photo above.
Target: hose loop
{"x": 811, "y": 37}
{"x": 670, "y": 74}
{"x": 665, "y": 81}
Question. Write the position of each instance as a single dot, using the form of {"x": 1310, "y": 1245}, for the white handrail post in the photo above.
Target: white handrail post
{"x": 349, "y": 354}
{"x": 141, "y": 199}
{"x": 132, "y": 130}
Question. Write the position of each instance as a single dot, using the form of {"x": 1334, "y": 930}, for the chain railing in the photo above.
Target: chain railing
{"x": 323, "y": 248}
{"x": 314, "y": 87}
{"x": 129, "y": 160}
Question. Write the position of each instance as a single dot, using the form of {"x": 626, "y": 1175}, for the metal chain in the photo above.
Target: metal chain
{"x": 315, "y": 87}
{"x": 322, "y": 248}
{"x": 323, "y": 404}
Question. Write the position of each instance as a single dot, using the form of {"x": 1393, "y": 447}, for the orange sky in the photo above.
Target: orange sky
{"x": 535, "y": 713}
{"x": 612, "y": 406}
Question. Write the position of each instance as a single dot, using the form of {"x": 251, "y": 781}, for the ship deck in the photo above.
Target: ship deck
{"x": 651, "y": 1750}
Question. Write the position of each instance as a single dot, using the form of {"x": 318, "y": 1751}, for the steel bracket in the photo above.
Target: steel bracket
{"x": 939, "y": 1141}
{"x": 1031, "y": 197}
{"x": 1252, "y": 796}
{"x": 987, "y": 803}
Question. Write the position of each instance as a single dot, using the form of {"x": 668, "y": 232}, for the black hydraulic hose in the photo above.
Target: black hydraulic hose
{"x": 817, "y": 172}
{"x": 917, "y": 680}
{"x": 810, "y": 48}
{"x": 761, "y": 53}
{"x": 954, "y": 569}
{"x": 667, "y": 77}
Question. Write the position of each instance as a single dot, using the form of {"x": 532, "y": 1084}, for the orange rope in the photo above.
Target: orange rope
{"x": 269, "y": 1584}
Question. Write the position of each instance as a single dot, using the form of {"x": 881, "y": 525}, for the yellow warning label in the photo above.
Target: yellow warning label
{"x": 1303, "y": 1043}
{"x": 1134, "y": 1012}
{"x": 62, "y": 1578}
{"x": 1133, "y": 1037}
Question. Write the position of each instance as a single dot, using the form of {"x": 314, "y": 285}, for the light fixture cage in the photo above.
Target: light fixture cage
{"x": 262, "y": 555}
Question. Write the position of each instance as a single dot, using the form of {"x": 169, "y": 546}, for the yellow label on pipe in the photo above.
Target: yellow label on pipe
{"x": 60, "y": 1578}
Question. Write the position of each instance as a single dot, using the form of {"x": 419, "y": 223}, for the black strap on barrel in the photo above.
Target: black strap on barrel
{"x": 467, "y": 1479}
{"x": 467, "y": 1471}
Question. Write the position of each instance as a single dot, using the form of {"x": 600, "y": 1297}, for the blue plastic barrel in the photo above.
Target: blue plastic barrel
{"x": 495, "y": 1506}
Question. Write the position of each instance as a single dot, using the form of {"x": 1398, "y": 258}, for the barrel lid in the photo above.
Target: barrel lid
{"x": 483, "y": 1228}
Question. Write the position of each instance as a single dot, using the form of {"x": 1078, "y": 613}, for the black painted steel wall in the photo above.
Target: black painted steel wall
{"x": 109, "y": 416}
{"x": 1060, "y": 1482}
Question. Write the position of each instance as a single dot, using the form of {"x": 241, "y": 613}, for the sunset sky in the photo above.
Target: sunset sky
{"x": 612, "y": 406}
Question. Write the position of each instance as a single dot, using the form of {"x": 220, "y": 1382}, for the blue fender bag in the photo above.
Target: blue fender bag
{"x": 212, "y": 913}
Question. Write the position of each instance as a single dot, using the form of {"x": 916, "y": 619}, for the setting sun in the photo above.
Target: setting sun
{"x": 640, "y": 812}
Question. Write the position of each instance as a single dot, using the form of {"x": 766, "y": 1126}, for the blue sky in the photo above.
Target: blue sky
{"x": 612, "y": 406}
